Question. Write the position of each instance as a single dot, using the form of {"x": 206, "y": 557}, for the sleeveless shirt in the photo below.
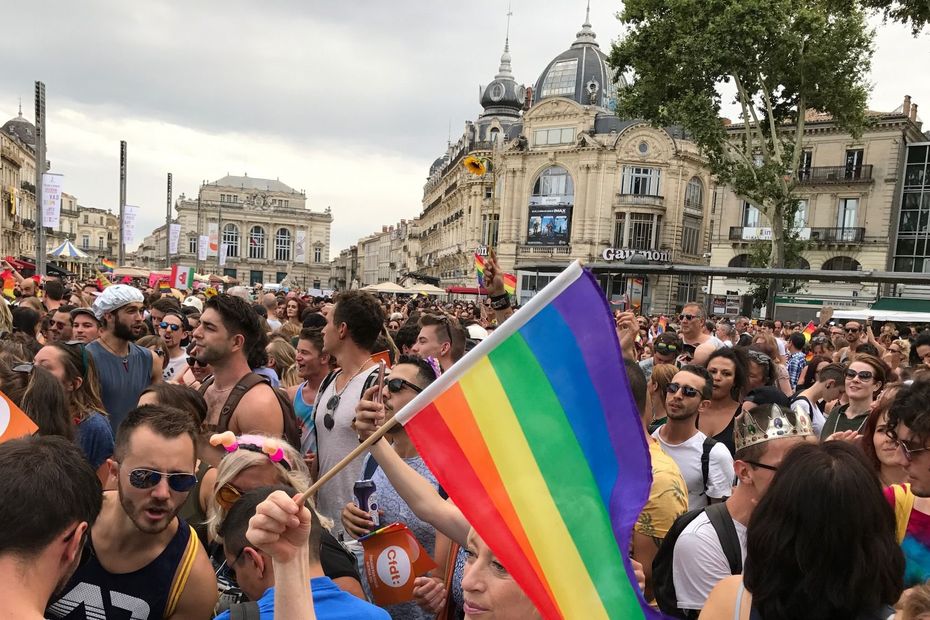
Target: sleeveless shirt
{"x": 121, "y": 379}
{"x": 304, "y": 411}
{"x": 150, "y": 593}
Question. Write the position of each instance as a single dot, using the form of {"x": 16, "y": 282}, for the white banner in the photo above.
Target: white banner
{"x": 224, "y": 250}
{"x": 174, "y": 235}
{"x": 213, "y": 234}
{"x": 51, "y": 199}
{"x": 129, "y": 223}
{"x": 203, "y": 241}
{"x": 300, "y": 246}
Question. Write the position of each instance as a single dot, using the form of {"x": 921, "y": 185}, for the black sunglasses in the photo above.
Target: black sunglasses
{"x": 864, "y": 375}
{"x": 397, "y": 384}
{"x": 191, "y": 361}
{"x": 147, "y": 478}
{"x": 687, "y": 390}
{"x": 851, "y": 330}
{"x": 328, "y": 420}
{"x": 687, "y": 317}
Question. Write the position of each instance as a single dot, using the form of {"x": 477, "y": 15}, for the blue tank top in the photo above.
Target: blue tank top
{"x": 145, "y": 594}
{"x": 304, "y": 412}
{"x": 121, "y": 379}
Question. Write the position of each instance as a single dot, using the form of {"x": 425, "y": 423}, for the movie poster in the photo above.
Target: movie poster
{"x": 549, "y": 225}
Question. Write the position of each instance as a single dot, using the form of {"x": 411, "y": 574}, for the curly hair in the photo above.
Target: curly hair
{"x": 362, "y": 314}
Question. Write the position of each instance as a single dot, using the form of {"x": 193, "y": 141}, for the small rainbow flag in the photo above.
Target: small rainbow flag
{"x": 479, "y": 267}
{"x": 163, "y": 285}
{"x": 102, "y": 281}
{"x": 549, "y": 464}
{"x": 510, "y": 283}
{"x": 107, "y": 265}
{"x": 662, "y": 325}
{"x": 809, "y": 330}
{"x": 9, "y": 283}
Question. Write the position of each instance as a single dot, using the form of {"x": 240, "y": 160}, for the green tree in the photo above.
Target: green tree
{"x": 783, "y": 58}
{"x": 913, "y": 12}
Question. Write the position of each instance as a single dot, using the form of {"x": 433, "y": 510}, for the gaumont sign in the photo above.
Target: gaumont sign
{"x": 653, "y": 256}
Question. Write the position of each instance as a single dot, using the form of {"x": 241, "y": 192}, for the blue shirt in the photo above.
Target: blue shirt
{"x": 796, "y": 364}
{"x": 329, "y": 603}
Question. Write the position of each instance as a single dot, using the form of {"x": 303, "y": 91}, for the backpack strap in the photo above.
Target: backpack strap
{"x": 245, "y": 611}
{"x": 183, "y": 572}
{"x": 726, "y": 531}
{"x": 245, "y": 384}
{"x": 709, "y": 443}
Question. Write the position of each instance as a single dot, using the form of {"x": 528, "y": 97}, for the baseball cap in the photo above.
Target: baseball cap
{"x": 115, "y": 297}
{"x": 193, "y": 302}
{"x": 88, "y": 311}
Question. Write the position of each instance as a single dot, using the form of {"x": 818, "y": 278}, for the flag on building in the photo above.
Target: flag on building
{"x": 510, "y": 283}
{"x": 14, "y": 423}
{"x": 809, "y": 330}
{"x": 535, "y": 436}
{"x": 181, "y": 277}
{"x": 479, "y": 268}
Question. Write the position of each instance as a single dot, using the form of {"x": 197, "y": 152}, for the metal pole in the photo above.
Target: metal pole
{"x": 122, "y": 201}
{"x": 40, "y": 170}
{"x": 197, "y": 250}
{"x": 168, "y": 226}
{"x": 219, "y": 238}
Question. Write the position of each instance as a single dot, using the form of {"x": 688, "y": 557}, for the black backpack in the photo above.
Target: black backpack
{"x": 709, "y": 443}
{"x": 663, "y": 585}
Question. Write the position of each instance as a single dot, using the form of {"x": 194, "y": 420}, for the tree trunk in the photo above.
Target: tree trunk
{"x": 777, "y": 256}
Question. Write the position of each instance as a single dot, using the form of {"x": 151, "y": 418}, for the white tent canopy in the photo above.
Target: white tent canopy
{"x": 426, "y": 289}
{"x": 68, "y": 250}
{"x": 385, "y": 287}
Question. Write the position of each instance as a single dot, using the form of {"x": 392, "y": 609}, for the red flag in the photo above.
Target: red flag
{"x": 393, "y": 559}
{"x": 14, "y": 423}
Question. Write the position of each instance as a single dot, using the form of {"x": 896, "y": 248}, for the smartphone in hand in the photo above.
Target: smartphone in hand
{"x": 381, "y": 372}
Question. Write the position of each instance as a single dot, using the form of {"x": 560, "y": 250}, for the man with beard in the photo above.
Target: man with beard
{"x": 123, "y": 367}
{"x": 229, "y": 330}
{"x": 144, "y": 562}
{"x": 49, "y": 499}
{"x": 706, "y": 465}
{"x": 59, "y": 324}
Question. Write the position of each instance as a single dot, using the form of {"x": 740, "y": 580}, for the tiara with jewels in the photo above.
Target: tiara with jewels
{"x": 746, "y": 432}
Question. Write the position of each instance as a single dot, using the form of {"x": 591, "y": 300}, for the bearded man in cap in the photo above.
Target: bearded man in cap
{"x": 123, "y": 367}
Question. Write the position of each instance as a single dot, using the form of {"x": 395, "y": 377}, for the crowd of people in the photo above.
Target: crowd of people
{"x": 790, "y": 471}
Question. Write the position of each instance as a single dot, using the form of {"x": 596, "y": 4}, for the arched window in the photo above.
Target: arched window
{"x": 231, "y": 240}
{"x": 257, "y": 242}
{"x": 799, "y": 263}
{"x": 694, "y": 195}
{"x": 550, "y": 213}
{"x": 842, "y": 263}
{"x": 282, "y": 245}
{"x": 740, "y": 261}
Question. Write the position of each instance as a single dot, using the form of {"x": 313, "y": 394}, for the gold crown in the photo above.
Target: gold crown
{"x": 746, "y": 432}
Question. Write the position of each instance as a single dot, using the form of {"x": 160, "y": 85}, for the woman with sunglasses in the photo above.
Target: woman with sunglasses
{"x": 897, "y": 355}
{"x": 197, "y": 371}
{"x": 76, "y": 372}
{"x": 249, "y": 467}
{"x": 865, "y": 378}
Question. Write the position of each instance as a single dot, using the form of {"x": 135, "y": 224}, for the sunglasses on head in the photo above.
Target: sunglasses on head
{"x": 171, "y": 326}
{"x": 192, "y": 361}
{"x": 864, "y": 375}
{"x": 147, "y": 478}
{"x": 687, "y": 390}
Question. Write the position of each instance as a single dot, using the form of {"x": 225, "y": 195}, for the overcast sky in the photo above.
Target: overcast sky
{"x": 350, "y": 101}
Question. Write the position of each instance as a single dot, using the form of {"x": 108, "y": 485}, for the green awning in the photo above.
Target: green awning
{"x": 902, "y": 304}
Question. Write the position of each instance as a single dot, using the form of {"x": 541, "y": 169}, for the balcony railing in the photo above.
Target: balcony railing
{"x": 546, "y": 249}
{"x": 641, "y": 200}
{"x": 817, "y": 235}
{"x": 835, "y": 174}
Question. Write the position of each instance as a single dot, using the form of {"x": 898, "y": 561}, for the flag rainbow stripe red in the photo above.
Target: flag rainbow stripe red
{"x": 479, "y": 268}
{"x": 536, "y": 438}
{"x": 510, "y": 283}
{"x": 809, "y": 330}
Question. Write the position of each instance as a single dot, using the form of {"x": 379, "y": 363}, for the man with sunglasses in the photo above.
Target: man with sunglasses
{"x": 666, "y": 347}
{"x": 174, "y": 331}
{"x": 144, "y": 561}
{"x": 59, "y": 324}
{"x": 49, "y": 500}
{"x": 691, "y": 321}
{"x": 706, "y": 465}
{"x": 762, "y": 436}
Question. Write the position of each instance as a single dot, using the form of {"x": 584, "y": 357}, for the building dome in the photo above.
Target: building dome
{"x": 580, "y": 73}
{"x": 21, "y": 128}
{"x": 503, "y": 96}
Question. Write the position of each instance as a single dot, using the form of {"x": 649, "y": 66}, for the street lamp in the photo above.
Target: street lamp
{"x": 638, "y": 259}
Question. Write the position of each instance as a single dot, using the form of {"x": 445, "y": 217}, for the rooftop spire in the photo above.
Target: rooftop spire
{"x": 586, "y": 34}
{"x": 20, "y": 107}
{"x": 505, "y": 71}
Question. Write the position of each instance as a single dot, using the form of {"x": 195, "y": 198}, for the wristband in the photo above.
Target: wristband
{"x": 501, "y": 304}
{"x": 494, "y": 298}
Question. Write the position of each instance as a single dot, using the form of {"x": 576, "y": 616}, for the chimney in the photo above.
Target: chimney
{"x": 907, "y": 105}
{"x": 914, "y": 112}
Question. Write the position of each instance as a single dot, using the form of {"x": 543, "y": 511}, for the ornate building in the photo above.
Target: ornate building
{"x": 265, "y": 227}
{"x": 18, "y": 198}
{"x": 568, "y": 180}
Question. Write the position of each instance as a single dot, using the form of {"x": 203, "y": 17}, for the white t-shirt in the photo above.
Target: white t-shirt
{"x": 175, "y": 367}
{"x": 782, "y": 348}
{"x": 816, "y": 416}
{"x": 699, "y": 563}
{"x": 720, "y": 472}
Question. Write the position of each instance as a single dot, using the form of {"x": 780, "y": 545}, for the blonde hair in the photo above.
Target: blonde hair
{"x": 289, "y": 377}
{"x": 905, "y": 346}
{"x": 662, "y": 375}
{"x": 769, "y": 345}
{"x": 283, "y": 354}
{"x": 916, "y": 605}
{"x": 234, "y": 463}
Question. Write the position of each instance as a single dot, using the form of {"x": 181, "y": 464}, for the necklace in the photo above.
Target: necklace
{"x": 333, "y": 401}
{"x": 123, "y": 358}
{"x": 836, "y": 422}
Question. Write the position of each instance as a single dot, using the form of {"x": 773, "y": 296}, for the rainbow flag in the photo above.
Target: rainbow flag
{"x": 809, "y": 330}
{"x": 662, "y": 325}
{"x": 163, "y": 285}
{"x": 9, "y": 283}
{"x": 107, "y": 265}
{"x": 510, "y": 283}
{"x": 479, "y": 267}
{"x": 102, "y": 281}
{"x": 536, "y": 438}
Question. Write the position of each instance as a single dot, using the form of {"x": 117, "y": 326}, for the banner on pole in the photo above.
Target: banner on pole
{"x": 224, "y": 251}
{"x": 213, "y": 234}
{"x": 174, "y": 235}
{"x": 129, "y": 223}
{"x": 300, "y": 246}
{"x": 51, "y": 199}
{"x": 203, "y": 242}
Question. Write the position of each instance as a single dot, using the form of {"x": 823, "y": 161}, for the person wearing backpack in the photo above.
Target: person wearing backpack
{"x": 707, "y": 545}
{"x": 237, "y": 399}
{"x": 705, "y": 464}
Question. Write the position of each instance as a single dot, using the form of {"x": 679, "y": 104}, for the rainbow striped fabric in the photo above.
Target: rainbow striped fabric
{"x": 809, "y": 330}
{"x": 107, "y": 264}
{"x": 510, "y": 283}
{"x": 479, "y": 268}
{"x": 535, "y": 436}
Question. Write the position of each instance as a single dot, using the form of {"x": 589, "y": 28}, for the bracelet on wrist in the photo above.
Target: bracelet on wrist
{"x": 501, "y": 304}
{"x": 494, "y": 298}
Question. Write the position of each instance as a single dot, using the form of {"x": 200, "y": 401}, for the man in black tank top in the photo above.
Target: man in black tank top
{"x": 49, "y": 499}
{"x": 144, "y": 562}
